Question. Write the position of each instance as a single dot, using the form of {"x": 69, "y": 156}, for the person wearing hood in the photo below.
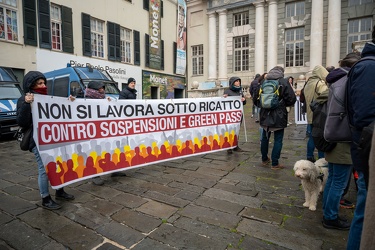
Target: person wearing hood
{"x": 35, "y": 82}
{"x": 235, "y": 89}
{"x": 275, "y": 120}
{"x": 254, "y": 87}
{"x": 315, "y": 85}
{"x": 361, "y": 110}
{"x": 339, "y": 159}
{"x": 129, "y": 92}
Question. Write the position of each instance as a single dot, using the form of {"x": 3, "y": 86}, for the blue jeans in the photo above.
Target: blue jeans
{"x": 277, "y": 146}
{"x": 355, "y": 233}
{"x": 311, "y": 145}
{"x": 338, "y": 176}
{"x": 42, "y": 175}
{"x": 255, "y": 112}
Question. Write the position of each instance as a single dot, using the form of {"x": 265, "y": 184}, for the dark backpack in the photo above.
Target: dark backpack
{"x": 319, "y": 119}
{"x": 269, "y": 94}
{"x": 337, "y": 128}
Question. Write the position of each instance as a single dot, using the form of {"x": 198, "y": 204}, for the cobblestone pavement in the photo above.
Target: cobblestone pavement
{"x": 214, "y": 201}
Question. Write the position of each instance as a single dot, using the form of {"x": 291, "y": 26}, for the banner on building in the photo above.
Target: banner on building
{"x": 154, "y": 32}
{"x": 299, "y": 117}
{"x": 85, "y": 138}
{"x": 181, "y": 38}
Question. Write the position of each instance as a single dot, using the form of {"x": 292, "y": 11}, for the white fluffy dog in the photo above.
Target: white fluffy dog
{"x": 313, "y": 179}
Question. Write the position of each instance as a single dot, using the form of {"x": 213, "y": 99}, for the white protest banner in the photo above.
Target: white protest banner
{"x": 88, "y": 137}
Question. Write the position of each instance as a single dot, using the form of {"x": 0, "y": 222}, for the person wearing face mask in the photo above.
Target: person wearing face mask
{"x": 235, "y": 89}
{"x": 35, "y": 82}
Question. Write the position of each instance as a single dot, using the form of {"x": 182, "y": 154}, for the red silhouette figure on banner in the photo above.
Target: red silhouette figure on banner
{"x": 89, "y": 169}
{"x": 70, "y": 174}
{"x": 106, "y": 164}
{"x": 53, "y": 176}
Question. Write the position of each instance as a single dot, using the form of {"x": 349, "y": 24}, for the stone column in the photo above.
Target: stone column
{"x": 272, "y": 35}
{"x": 259, "y": 37}
{"x": 212, "y": 56}
{"x": 333, "y": 33}
{"x": 223, "y": 45}
{"x": 316, "y": 36}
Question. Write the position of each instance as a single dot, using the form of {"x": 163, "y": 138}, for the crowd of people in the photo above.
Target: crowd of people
{"x": 346, "y": 158}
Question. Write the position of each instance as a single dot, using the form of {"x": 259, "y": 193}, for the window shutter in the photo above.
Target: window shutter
{"x": 86, "y": 35}
{"x": 44, "y": 24}
{"x": 162, "y": 55}
{"x": 29, "y": 12}
{"x": 174, "y": 56}
{"x": 146, "y": 4}
{"x": 137, "y": 48}
{"x": 162, "y": 8}
{"x": 67, "y": 29}
{"x": 118, "y": 42}
{"x": 111, "y": 41}
{"x": 147, "y": 50}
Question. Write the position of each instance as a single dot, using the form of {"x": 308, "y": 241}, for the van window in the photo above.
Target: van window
{"x": 76, "y": 90}
{"x": 60, "y": 87}
{"x": 9, "y": 91}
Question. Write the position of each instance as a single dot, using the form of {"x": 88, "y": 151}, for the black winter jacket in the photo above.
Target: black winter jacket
{"x": 128, "y": 93}
{"x": 275, "y": 119}
{"x": 24, "y": 117}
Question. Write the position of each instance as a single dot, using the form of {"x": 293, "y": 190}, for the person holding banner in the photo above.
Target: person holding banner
{"x": 35, "y": 82}
{"x": 235, "y": 89}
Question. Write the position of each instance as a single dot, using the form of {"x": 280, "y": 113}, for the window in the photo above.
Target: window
{"x": 358, "y": 30}
{"x": 241, "y": 53}
{"x": 97, "y": 38}
{"x": 294, "y": 43}
{"x": 295, "y": 9}
{"x": 241, "y": 18}
{"x": 359, "y": 2}
{"x": 56, "y": 27}
{"x": 197, "y": 59}
{"x": 126, "y": 38}
{"x": 8, "y": 20}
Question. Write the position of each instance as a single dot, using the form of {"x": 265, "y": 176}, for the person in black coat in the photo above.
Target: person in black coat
{"x": 254, "y": 87}
{"x": 129, "y": 92}
{"x": 35, "y": 82}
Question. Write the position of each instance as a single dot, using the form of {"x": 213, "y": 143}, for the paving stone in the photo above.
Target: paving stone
{"x": 21, "y": 236}
{"x": 188, "y": 165}
{"x": 5, "y": 184}
{"x": 206, "y": 183}
{"x": 138, "y": 221}
{"x": 178, "y": 178}
{"x": 187, "y": 195}
{"x": 210, "y": 216}
{"x": 224, "y": 206}
{"x": 222, "y": 165}
{"x": 4, "y": 218}
{"x": 108, "y": 246}
{"x": 169, "y": 170}
{"x": 234, "y": 198}
{"x": 87, "y": 217}
{"x": 249, "y": 242}
{"x": 263, "y": 215}
{"x": 248, "y": 190}
{"x": 282, "y": 208}
{"x": 182, "y": 239}
{"x": 129, "y": 200}
{"x": 278, "y": 235}
{"x": 75, "y": 236}
{"x": 187, "y": 187}
{"x": 241, "y": 177}
{"x": 151, "y": 244}
{"x": 104, "y": 207}
{"x": 14, "y": 205}
{"x": 211, "y": 171}
{"x": 157, "y": 209}
{"x": 174, "y": 201}
{"x": 120, "y": 234}
{"x": 150, "y": 178}
{"x": 99, "y": 191}
{"x": 54, "y": 245}
{"x": 209, "y": 231}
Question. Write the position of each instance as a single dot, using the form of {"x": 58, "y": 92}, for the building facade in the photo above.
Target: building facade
{"x": 128, "y": 38}
{"x": 245, "y": 37}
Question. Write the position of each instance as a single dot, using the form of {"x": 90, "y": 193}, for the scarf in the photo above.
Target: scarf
{"x": 94, "y": 94}
{"x": 42, "y": 91}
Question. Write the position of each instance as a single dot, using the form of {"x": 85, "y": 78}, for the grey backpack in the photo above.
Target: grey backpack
{"x": 337, "y": 128}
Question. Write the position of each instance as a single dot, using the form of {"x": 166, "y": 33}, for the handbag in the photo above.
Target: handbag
{"x": 23, "y": 136}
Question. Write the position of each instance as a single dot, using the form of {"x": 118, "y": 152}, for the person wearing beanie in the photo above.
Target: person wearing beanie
{"x": 275, "y": 120}
{"x": 35, "y": 82}
{"x": 129, "y": 92}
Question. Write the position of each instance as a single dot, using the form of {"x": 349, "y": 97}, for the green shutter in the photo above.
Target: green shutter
{"x": 67, "y": 29}
{"x": 29, "y": 25}
{"x": 137, "y": 48}
{"x": 86, "y": 35}
{"x": 44, "y": 24}
{"x": 147, "y": 50}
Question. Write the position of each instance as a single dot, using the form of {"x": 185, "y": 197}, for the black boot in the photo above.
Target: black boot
{"x": 62, "y": 195}
{"x": 50, "y": 204}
